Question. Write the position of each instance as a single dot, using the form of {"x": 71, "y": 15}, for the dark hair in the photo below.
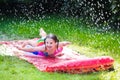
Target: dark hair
{"x": 52, "y": 36}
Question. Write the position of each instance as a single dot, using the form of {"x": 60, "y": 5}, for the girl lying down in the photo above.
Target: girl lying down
{"x": 48, "y": 45}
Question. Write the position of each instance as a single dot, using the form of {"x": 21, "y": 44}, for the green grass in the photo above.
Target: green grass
{"x": 84, "y": 38}
{"x": 13, "y": 68}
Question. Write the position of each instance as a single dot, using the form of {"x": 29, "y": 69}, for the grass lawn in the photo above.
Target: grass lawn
{"x": 85, "y": 39}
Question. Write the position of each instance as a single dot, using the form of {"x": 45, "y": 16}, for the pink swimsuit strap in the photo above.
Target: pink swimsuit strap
{"x": 58, "y": 50}
{"x": 46, "y": 54}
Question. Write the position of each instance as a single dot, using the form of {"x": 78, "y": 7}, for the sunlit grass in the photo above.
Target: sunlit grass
{"x": 84, "y": 39}
{"x": 13, "y": 68}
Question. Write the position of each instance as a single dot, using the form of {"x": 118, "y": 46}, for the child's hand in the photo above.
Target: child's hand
{"x": 59, "y": 54}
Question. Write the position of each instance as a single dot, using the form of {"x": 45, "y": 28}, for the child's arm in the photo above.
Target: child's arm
{"x": 64, "y": 43}
{"x": 30, "y": 49}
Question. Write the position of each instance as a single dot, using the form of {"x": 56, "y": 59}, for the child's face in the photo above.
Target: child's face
{"x": 50, "y": 44}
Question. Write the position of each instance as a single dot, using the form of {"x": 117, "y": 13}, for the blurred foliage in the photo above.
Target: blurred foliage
{"x": 101, "y": 13}
{"x": 115, "y": 14}
{"x": 11, "y": 1}
{"x": 104, "y": 14}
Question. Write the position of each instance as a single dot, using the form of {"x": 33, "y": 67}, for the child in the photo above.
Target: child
{"x": 50, "y": 45}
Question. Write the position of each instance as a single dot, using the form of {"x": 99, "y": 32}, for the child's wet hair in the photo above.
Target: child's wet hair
{"x": 52, "y": 36}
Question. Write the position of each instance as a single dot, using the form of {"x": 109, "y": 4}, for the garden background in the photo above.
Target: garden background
{"x": 93, "y": 27}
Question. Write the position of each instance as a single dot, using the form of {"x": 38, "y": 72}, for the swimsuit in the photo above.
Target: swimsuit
{"x": 46, "y": 54}
{"x": 41, "y": 53}
{"x": 40, "y": 42}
